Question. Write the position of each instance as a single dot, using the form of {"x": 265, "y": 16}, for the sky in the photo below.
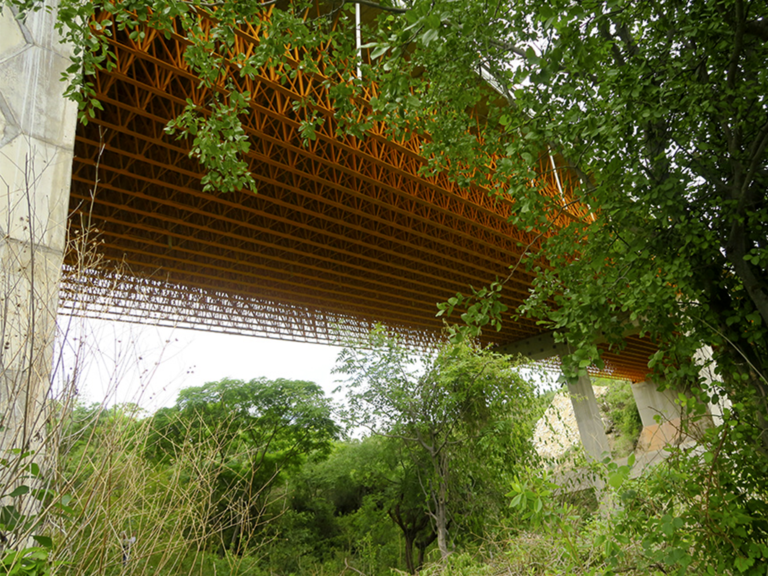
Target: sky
{"x": 113, "y": 362}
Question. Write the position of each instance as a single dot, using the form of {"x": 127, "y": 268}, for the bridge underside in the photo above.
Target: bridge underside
{"x": 342, "y": 233}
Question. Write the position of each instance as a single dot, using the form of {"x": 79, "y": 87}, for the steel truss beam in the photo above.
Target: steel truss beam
{"x": 344, "y": 232}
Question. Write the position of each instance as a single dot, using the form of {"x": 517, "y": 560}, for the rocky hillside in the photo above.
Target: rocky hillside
{"x": 557, "y": 433}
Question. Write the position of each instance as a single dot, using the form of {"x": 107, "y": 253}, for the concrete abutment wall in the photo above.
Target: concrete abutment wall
{"x": 37, "y": 134}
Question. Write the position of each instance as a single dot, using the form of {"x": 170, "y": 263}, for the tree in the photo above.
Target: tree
{"x": 656, "y": 114}
{"x": 259, "y": 429}
{"x": 654, "y": 111}
{"x": 406, "y": 507}
{"x": 344, "y": 503}
{"x": 462, "y": 415}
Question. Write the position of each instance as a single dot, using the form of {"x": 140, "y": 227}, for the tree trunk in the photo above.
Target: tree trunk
{"x": 410, "y": 528}
{"x": 409, "y": 553}
{"x": 441, "y": 520}
{"x": 422, "y": 545}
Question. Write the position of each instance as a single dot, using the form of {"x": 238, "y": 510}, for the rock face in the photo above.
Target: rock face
{"x": 557, "y": 432}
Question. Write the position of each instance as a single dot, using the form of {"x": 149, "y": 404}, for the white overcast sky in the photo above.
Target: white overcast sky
{"x": 114, "y": 362}
{"x": 119, "y": 362}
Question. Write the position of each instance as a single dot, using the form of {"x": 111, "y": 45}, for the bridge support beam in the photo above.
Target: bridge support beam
{"x": 588, "y": 420}
{"x": 591, "y": 429}
{"x": 539, "y": 347}
{"x": 37, "y": 133}
{"x": 660, "y": 415}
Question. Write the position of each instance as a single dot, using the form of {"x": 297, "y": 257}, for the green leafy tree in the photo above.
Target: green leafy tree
{"x": 406, "y": 506}
{"x": 655, "y": 113}
{"x": 462, "y": 415}
{"x": 343, "y": 505}
{"x": 376, "y": 478}
{"x": 260, "y": 429}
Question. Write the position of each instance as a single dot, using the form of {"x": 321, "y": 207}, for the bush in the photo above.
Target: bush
{"x": 619, "y": 405}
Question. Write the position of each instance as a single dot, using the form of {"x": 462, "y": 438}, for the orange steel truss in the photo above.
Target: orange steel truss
{"x": 343, "y": 233}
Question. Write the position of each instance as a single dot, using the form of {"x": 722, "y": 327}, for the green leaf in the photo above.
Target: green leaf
{"x": 19, "y": 491}
{"x": 44, "y": 541}
{"x": 429, "y": 36}
{"x": 615, "y": 480}
{"x": 380, "y": 51}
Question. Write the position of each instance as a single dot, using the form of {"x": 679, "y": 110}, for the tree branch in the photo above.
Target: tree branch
{"x": 757, "y": 28}
{"x": 735, "y": 251}
{"x": 756, "y": 155}
{"x": 507, "y": 46}
{"x": 377, "y": 6}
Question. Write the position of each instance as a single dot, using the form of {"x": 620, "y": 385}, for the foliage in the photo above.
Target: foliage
{"x": 186, "y": 511}
{"x": 656, "y": 113}
{"x": 330, "y": 507}
{"x": 335, "y": 511}
{"x": 282, "y": 420}
{"x": 259, "y": 430}
{"x": 688, "y": 515}
{"x": 27, "y": 506}
{"x": 622, "y": 408}
{"x": 32, "y": 561}
{"x": 462, "y": 565}
{"x": 622, "y": 411}
{"x": 462, "y": 415}
{"x": 695, "y": 512}
{"x": 82, "y": 426}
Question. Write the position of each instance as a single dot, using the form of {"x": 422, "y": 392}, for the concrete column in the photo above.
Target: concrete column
{"x": 712, "y": 381}
{"x": 588, "y": 418}
{"x": 660, "y": 414}
{"x": 37, "y": 133}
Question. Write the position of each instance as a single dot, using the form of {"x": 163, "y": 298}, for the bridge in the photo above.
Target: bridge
{"x": 343, "y": 232}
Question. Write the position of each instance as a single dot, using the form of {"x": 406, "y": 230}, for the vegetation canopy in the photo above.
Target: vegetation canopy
{"x": 462, "y": 417}
{"x": 654, "y": 111}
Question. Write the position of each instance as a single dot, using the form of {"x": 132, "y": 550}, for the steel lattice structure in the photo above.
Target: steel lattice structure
{"x": 343, "y": 233}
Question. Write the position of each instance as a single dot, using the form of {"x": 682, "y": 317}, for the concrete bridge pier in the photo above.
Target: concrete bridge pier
{"x": 37, "y": 133}
{"x": 652, "y": 403}
{"x": 660, "y": 414}
{"x": 588, "y": 420}
{"x": 591, "y": 429}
